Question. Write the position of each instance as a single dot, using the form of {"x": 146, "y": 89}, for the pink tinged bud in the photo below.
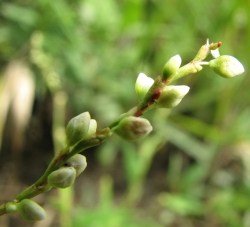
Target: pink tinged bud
{"x": 30, "y": 211}
{"x": 171, "y": 67}
{"x": 62, "y": 178}
{"x": 226, "y": 66}
{"x": 142, "y": 85}
{"x": 133, "y": 128}
{"x": 78, "y": 162}
{"x": 77, "y": 128}
{"x": 171, "y": 96}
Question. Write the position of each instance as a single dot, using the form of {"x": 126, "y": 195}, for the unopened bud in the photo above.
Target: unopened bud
{"x": 78, "y": 162}
{"x": 77, "y": 128}
{"x": 92, "y": 128}
{"x": 62, "y": 178}
{"x": 11, "y": 207}
{"x": 171, "y": 96}
{"x": 171, "y": 67}
{"x": 142, "y": 85}
{"x": 31, "y": 211}
{"x": 226, "y": 66}
{"x": 133, "y": 128}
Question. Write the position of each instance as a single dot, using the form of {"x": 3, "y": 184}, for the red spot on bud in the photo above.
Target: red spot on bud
{"x": 219, "y": 44}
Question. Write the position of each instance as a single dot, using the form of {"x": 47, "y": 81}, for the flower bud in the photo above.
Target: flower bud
{"x": 31, "y": 211}
{"x": 92, "y": 128}
{"x": 226, "y": 66}
{"x": 11, "y": 207}
{"x": 62, "y": 178}
{"x": 171, "y": 96}
{"x": 142, "y": 85}
{"x": 133, "y": 128}
{"x": 171, "y": 67}
{"x": 77, "y": 128}
{"x": 202, "y": 53}
{"x": 78, "y": 162}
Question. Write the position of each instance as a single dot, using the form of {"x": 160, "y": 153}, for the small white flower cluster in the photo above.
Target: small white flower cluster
{"x": 132, "y": 128}
{"x": 170, "y": 97}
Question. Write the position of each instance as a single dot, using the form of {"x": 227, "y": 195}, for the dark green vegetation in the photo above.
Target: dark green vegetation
{"x": 193, "y": 169}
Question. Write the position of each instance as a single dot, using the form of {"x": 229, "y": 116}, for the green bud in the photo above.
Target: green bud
{"x": 214, "y": 46}
{"x": 31, "y": 211}
{"x": 77, "y": 128}
{"x": 11, "y": 207}
{"x": 62, "y": 178}
{"x": 202, "y": 53}
{"x": 92, "y": 128}
{"x": 226, "y": 66}
{"x": 171, "y": 67}
{"x": 78, "y": 162}
{"x": 171, "y": 96}
{"x": 133, "y": 128}
{"x": 142, "y": 85}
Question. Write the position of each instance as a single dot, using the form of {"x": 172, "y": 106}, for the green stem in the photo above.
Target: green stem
{"x": 41, "y": 185}
{"x": 203, "y": 63}
{"x": 101, "y": 136}
{"x": 3, "y": 209}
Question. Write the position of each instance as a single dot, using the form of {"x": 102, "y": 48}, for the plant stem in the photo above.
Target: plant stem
{"x": 101, "y": 136}
{"x": 41, "y": 185}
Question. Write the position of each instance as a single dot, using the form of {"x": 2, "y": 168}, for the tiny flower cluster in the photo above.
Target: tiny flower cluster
{"x": 129, "y": 126}
{"x": 62, "y": 178}
{"x": 132, "y": 128}
{"x": 170, "y": 96}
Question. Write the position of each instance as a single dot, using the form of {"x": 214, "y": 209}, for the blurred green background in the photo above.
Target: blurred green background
{"x": 61, "y": 58}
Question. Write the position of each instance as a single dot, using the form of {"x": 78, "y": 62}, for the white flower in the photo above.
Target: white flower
{"x": 215, "y": 53}
{"x": 171, "y": 96}
{"x": 142, "y": 85}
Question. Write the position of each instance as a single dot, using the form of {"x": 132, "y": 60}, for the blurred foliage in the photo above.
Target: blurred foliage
{"x": 93, "y": 50}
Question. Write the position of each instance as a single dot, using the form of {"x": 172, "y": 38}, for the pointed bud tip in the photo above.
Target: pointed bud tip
{"x": 142, "y": 85}
{"x": 172, "y": 65}
{"x": 182, "y": 90}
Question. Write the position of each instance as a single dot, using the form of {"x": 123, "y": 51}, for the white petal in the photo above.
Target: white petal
{"x": 142, "y": 85}
{"x": 215, "y": 53}
{"x": 179, "y": 91}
